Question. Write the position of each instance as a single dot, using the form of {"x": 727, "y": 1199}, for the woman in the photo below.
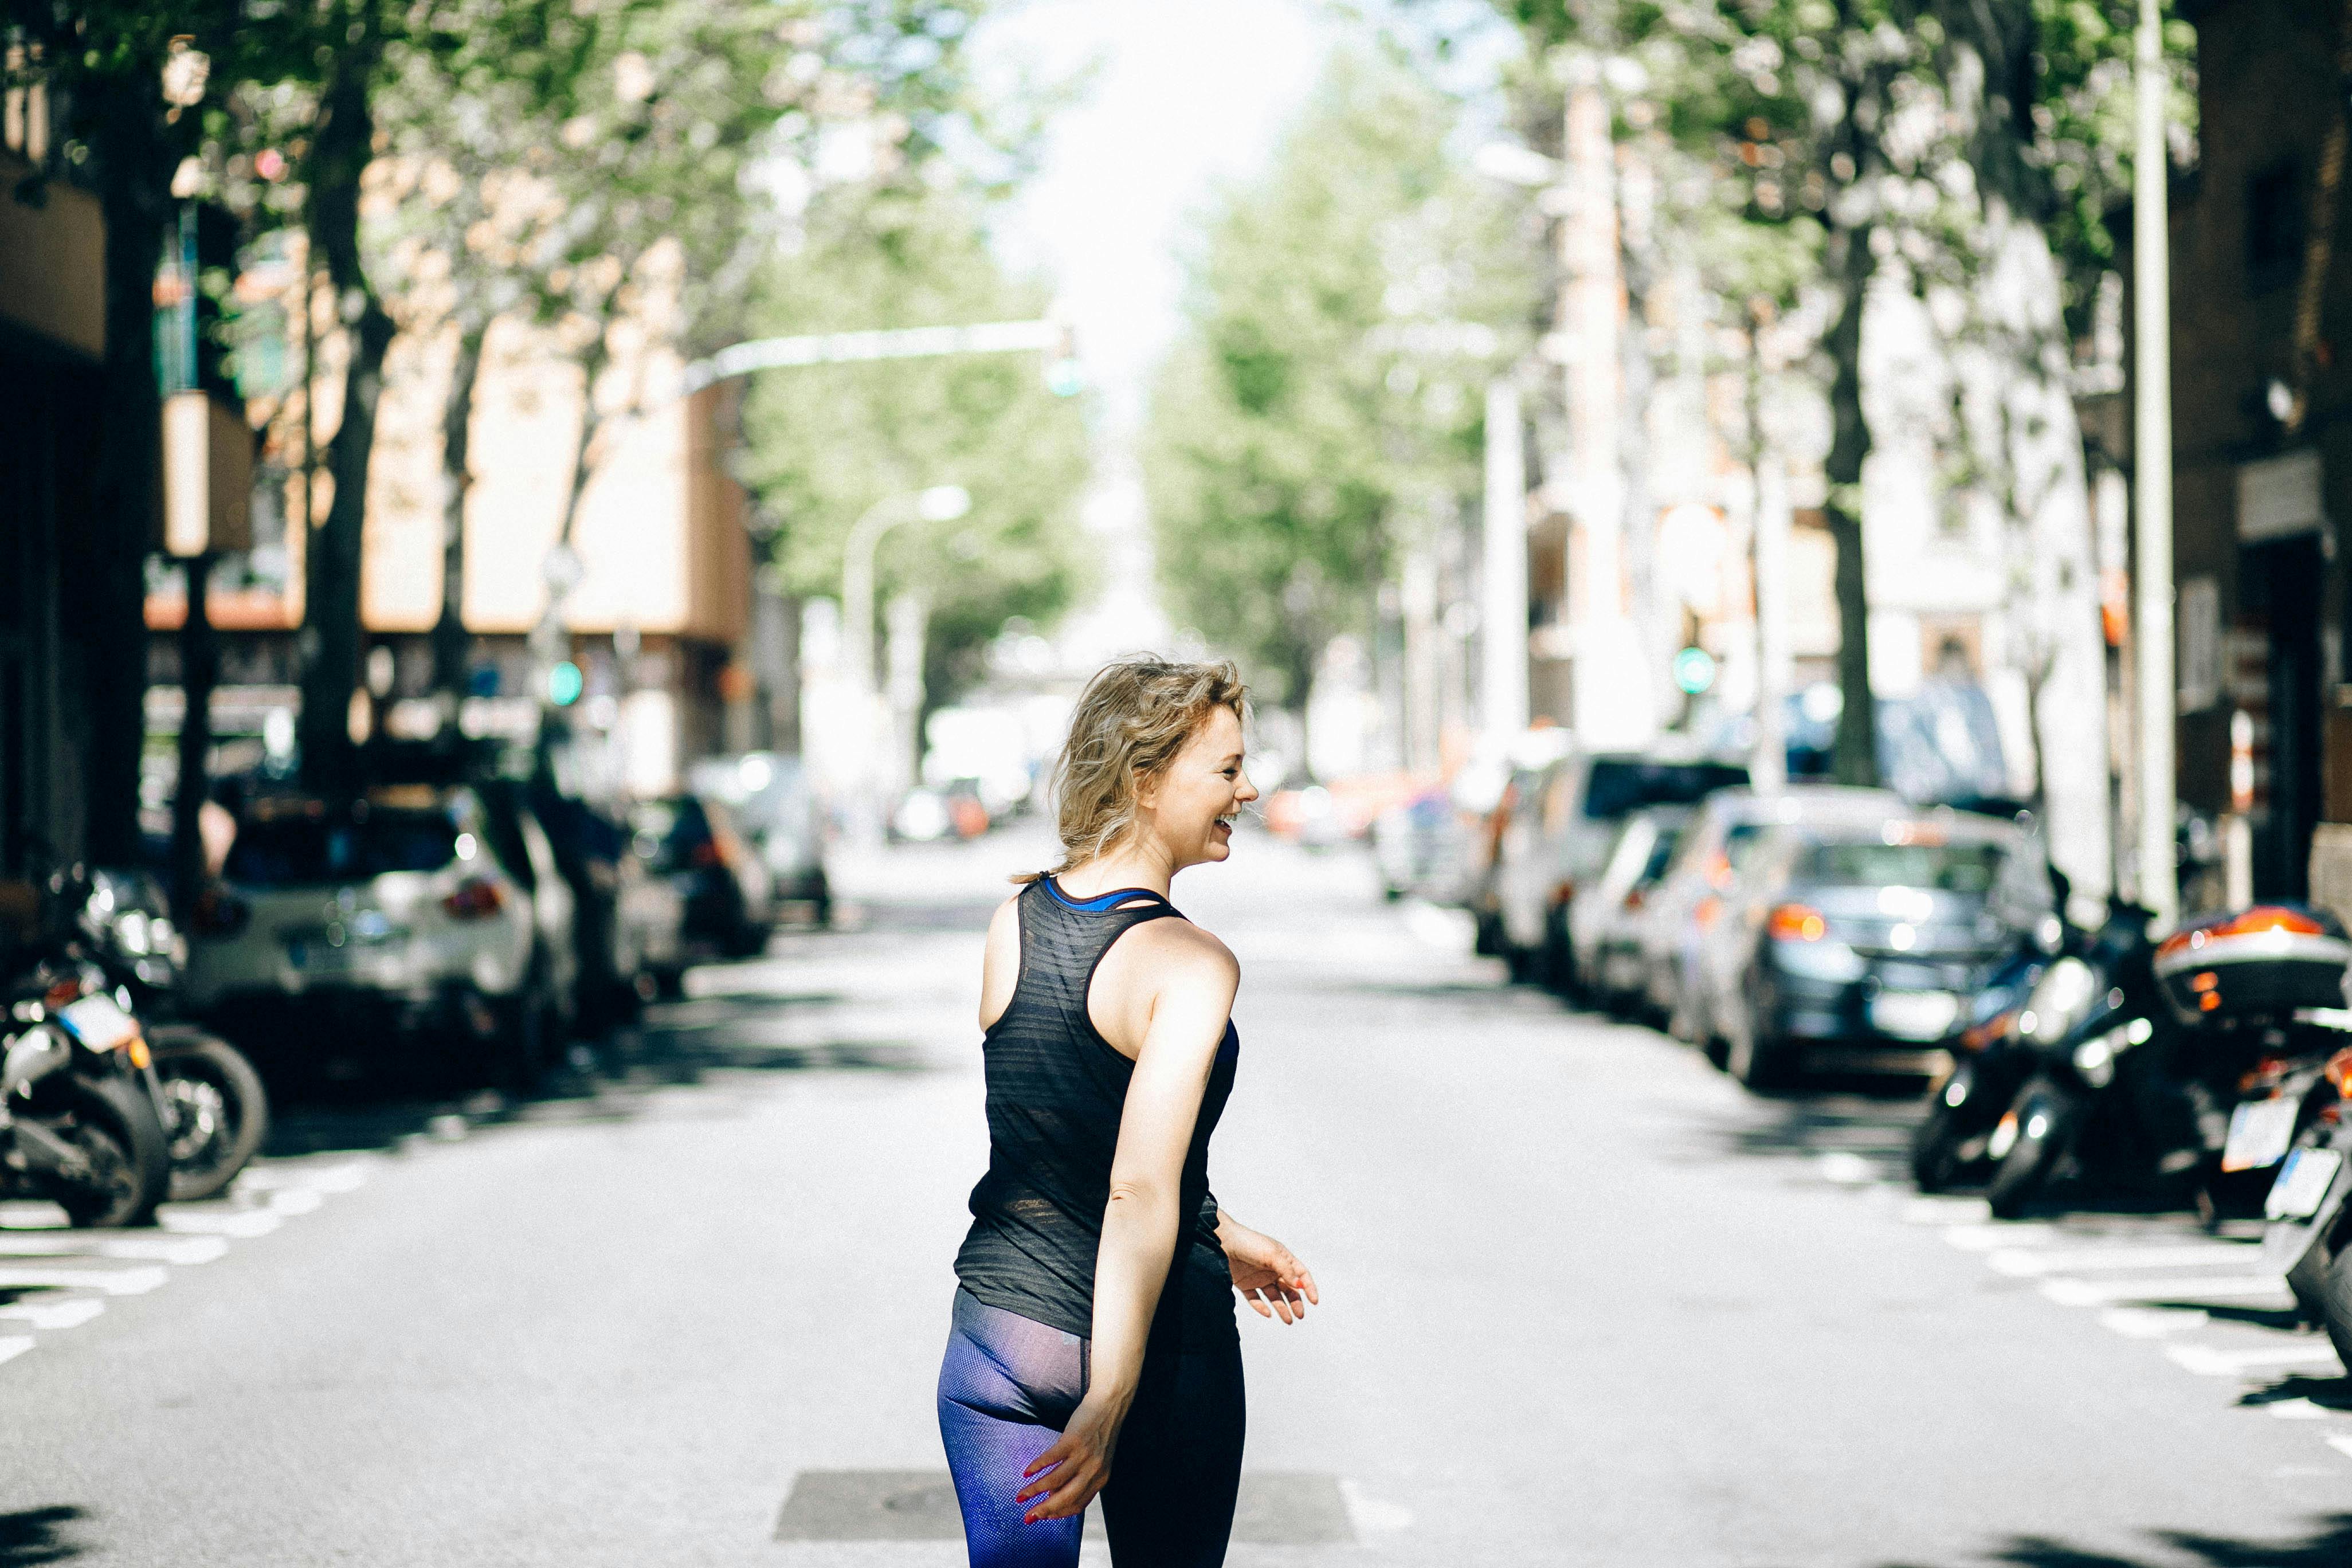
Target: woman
{"x": 1095, "y": 1316}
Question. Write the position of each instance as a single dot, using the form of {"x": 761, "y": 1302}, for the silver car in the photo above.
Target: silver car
{"x": 1706, "y": 867}
{"x": 414, "y": 907}
{"x": 1602, "y": 919}
{"x": 1559, "y": 838}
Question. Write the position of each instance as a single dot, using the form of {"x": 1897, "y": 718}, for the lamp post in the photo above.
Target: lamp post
{"x": 2152, "y": 472}
{"x": 940, "y": 503}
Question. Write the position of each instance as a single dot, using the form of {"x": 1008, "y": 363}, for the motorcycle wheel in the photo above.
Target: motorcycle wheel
{"x": 1935, "y": 1163}
{"x": 2036, "y": 1130}
{"x": 112, "y": 1123}
{"x": 219, "y": 1110}
{"x": 2336, "y": 1305}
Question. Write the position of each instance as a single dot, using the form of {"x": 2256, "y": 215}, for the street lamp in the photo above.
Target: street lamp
{"x": 940, "y": 503}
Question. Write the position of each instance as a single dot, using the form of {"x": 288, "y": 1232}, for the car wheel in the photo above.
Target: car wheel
{"x": 526, "y": 1037}
{"x": 1559, "y": 959}
{"x": 1753, "y": 1055}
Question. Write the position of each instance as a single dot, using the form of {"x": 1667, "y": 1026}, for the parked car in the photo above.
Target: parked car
{"x": 1869, "y": 938}
{"x": 1422, "y": 846}
{"x": 1559, "y": 838}
{"x": 628, "y": 926}
{"x": 691, "y": 842}
{"x": 1689, "y": 896}
{"x": 413, "y": 906}
{"x": 775, "y": 805}
{"x": 1602, "y": 919}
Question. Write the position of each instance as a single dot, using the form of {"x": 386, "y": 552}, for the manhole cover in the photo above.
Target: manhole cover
{"x": 1277, "y": 1508}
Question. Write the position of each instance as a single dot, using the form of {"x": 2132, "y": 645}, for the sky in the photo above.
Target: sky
{"x": 1180, "y": 95}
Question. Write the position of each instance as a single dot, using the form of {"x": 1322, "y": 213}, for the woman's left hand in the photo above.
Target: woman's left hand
{"x": 1267, "y": 1274}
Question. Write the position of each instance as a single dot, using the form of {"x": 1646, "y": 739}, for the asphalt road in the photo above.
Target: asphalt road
{"x": 1586, "y": 1302}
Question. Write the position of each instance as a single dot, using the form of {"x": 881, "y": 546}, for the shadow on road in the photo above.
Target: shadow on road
{"x": 713, "y": 1040}
{"x": 35, "y": 1535}
{"x": 2329, "y": 1543}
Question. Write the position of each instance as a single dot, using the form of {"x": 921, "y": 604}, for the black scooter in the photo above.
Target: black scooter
{"x": 2177, "y": 1070}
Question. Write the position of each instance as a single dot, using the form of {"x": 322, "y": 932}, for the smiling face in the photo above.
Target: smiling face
{"x": 1190, "y": 807}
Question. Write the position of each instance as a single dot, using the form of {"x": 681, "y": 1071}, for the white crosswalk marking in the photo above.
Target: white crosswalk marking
{"x": 113, "y": 1281}
{"x": 2227, "y": 1288}
{"x": 2023, "y": 1263}
{"x": 2206, "y": 1362}
{"x": 86, "y": 1244}
{"x": 70, "y": 1313}
{"x": 12, "y": 1347}
{"x": 240, "y": 1223}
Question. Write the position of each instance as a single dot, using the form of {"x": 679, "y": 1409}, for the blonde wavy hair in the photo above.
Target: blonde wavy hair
{"x": 1132, "y": 719}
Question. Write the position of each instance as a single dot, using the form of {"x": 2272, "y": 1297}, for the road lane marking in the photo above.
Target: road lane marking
{"x": 2206, "y": 1362}
{"x": 294, "y": 1200}
{"x": 189, "y": 1250}
{"x": 1946, "y": 1211}
{"x": 2341, "y": 1444}
{"x": 70, "y": 1313}
{"x": 2298, "y": 1410}
{"x": 113, "y": 1281}
{"x": 14, "y": 1346}
{"x": 2152, "y": 1322}
{"x": 1845, "y": 1168}
{"x": 2024, "y": 1264}
{"x": 241, "y": 1223}
{"x": 2227, "y": 1288}
{"x": 1991, "y": 1237}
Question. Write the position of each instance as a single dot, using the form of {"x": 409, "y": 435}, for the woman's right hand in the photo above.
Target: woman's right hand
{"x": 1065, "y": 1476}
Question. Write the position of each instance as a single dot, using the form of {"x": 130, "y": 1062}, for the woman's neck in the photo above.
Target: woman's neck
{"x": 1136, "y": 866}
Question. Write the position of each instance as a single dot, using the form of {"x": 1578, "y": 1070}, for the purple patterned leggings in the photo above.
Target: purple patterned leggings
{"x": 1007, "y": 1387}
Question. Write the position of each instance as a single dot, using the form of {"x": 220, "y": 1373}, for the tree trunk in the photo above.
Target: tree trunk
{"x": 134, "y": 169}
{"x": 1856, "y": 751}
{"x": 451, "y": 652}
{"x": 344, "y": 144}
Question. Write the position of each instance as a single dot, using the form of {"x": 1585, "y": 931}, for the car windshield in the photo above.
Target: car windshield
{"x": 1619, "y": 784}
{"x": 1970, "y": 869}
{"x": 300, "y": 852}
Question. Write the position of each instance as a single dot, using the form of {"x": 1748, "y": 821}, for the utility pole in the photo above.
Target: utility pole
{"x": 1503, "y": 619}
{"x": 2152, "y": 473}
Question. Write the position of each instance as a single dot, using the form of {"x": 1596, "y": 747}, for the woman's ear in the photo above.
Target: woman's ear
{"x": 1146, "y": 790}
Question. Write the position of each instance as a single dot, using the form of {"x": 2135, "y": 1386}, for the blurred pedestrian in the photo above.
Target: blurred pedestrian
{"x": 1093, "y": 1347}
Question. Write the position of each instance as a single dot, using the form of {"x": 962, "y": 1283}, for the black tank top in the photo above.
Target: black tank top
{"x": 1055, "y": 1091}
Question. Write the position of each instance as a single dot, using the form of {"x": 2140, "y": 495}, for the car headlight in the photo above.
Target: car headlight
{"x": 2060, "y": 1000}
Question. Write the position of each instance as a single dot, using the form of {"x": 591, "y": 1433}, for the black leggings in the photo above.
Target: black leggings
{"x": 1006, "y": 1389}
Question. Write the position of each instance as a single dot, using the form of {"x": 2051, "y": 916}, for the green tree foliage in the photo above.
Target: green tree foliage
{"x": 1317, "y": 414}
{"x": 825, "y": 443}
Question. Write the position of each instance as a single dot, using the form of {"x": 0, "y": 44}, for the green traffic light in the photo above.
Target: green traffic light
{"x": 564, "y": 684}
{"x": 1694, "y": 671}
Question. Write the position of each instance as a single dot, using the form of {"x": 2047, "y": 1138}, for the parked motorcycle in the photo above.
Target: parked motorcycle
{"x": 2308, "y": 1238}
{"x": 78, "y": 1122}
{"x": 1993, "y": 1059}
{"x": 2176, "y": 1068}
{"x": 213, "y": 1108}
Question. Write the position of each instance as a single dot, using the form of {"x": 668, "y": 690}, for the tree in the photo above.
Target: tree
{"x": 1935, "y": 138}
{"x": 1316, "y": 413}
{"x": 823, "y": 444}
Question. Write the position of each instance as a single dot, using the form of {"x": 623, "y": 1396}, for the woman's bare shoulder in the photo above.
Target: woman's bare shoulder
{"x": 1178, "y": 950}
